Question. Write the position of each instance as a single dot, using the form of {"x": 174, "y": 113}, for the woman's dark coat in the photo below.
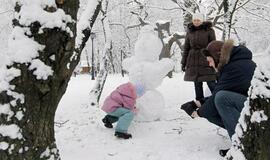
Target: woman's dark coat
{"x": 196, "y": 65}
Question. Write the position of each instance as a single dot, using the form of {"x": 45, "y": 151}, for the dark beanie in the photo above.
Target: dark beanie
{"x": 213, "y": 50}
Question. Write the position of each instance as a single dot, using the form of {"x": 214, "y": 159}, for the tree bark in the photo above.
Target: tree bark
{"x": 34, "y": 116}
{"x": 96, "y": 91}
{"x": 166, "y": 49}
{"x": 256, "y": 140}
{"x": 251, "y": 140}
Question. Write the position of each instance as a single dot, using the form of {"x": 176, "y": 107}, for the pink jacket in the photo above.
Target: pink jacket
{"x": 123, "y": 96}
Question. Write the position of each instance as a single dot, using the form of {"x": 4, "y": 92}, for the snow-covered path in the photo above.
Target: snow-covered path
{"x": 81, "y": 135}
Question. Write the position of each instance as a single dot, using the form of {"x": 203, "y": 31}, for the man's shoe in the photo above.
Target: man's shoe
{"x": 189, "y": 107}
{"x": 123, "y": 135}
{"x": 223, "y": 152}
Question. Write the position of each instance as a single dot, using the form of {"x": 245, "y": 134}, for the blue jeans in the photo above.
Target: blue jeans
{"x": 199, "y": 88}
{"x": 223, "y": 109}
{"x": 125, "y": 117}
{"x": 229, "y": 106}
{"x": 209, "y": 111}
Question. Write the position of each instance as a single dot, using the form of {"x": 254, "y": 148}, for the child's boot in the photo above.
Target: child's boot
{"x": 106, "y": 122}
{"x": 123, "y": 135}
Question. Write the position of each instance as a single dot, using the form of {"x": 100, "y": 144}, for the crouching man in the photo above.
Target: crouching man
{"x": 235, "y": 69}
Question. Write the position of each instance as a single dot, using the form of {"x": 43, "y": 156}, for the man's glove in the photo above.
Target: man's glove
{"x": 189, "y": 107}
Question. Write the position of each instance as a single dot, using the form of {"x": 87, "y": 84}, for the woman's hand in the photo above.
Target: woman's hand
{"x": 183, "y": 68}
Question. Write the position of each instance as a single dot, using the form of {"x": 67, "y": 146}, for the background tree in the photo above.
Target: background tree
{"x": 95, "y": 93}
{"x": 35, "y": 73}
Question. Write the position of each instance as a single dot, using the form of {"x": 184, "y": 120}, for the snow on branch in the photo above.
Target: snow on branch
{"x": 258, "y": 116}
{"x": 23, "y": 48}
{"x": 85, "y": 25}
{"x": 182, "y": 6}
{"x": 35, "y": 11}
{"x": 261, "y": 82}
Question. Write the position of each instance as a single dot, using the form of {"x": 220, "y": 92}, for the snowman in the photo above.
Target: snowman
{"x": 144, "y": 67}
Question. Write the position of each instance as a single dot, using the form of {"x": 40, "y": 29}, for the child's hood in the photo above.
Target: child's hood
{"x": 127, "y": 89}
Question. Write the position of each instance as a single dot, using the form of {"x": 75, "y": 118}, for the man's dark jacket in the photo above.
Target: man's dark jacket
{"x": 234, "y": 76}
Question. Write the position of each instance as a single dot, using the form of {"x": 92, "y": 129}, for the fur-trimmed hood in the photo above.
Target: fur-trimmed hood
{"x": 225, "y": 52}
{"x": 205, "y": 25}
{"x": 231, "y": 53}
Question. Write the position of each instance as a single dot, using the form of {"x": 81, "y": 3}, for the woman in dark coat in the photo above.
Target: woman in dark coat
{"x": 194, "y": 64}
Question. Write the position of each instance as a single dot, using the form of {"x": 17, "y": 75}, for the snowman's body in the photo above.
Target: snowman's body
{"x": 146, "y": 68}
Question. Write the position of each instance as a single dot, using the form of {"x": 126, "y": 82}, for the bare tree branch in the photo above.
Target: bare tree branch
{"x": 257, "y": 4}
{"x": 6, "y": 11}
{"x": 87, "y": 31}
{"x": 256, "y": 15}
{"x": 125, "y": 31}
{"x": 163, "y": 8}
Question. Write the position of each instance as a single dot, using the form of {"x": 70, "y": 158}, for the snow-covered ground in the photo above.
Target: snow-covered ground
{"x": 80, "y": 134}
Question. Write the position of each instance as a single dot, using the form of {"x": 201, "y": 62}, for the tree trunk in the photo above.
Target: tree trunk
{"x": 251, "y": 141}
{"x": 34, "y": 101}
{"x": 226, "y": 28}
{"x": 187, "y": 15}
{"x": 96, "y": 91}
{"x": 256, "y": 140}
{"x": 166, "y": 49}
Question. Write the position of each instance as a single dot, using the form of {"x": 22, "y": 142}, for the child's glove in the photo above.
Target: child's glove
{"x": 135, "y": 110}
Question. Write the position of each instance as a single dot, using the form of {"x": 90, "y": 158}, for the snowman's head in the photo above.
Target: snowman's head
{"x": 148, "y": 46}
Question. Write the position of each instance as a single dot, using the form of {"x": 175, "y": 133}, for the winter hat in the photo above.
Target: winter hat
{"x": 199, "y": 16}
{"x": 140, "y": 89}
{"x": 213, "y": 50}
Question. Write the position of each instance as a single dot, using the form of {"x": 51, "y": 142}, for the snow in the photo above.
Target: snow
{"x": 150, "y": 74}
{"x": 163, "y": 21}
{"x": 81, "y": 134}
{"x": 258, "y": 116}
{"x": 245, "y": 112}
{"x": 5, "y": 109}
{"x": 46, "y": 153}
{"x": 12, "y": 131}
{"x": 21, "y": 48}
{"x": 144, "y": 67}
{"x": 84, "y": 20}
{"x": 154, "y": 102}
{"x": 32, "y": 11}
{"x": 261, "y": 77}
{"x": 19, "y": 115}
{"x": 49, "y": 153}
{"x": 236, "y": 154}
{"x": 3, "y": 145}
{"x": 148, "y": 46}
{"x": 41, "y": 70}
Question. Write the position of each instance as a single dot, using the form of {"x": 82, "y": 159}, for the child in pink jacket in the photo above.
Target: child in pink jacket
{"x": 120, "y": 106}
